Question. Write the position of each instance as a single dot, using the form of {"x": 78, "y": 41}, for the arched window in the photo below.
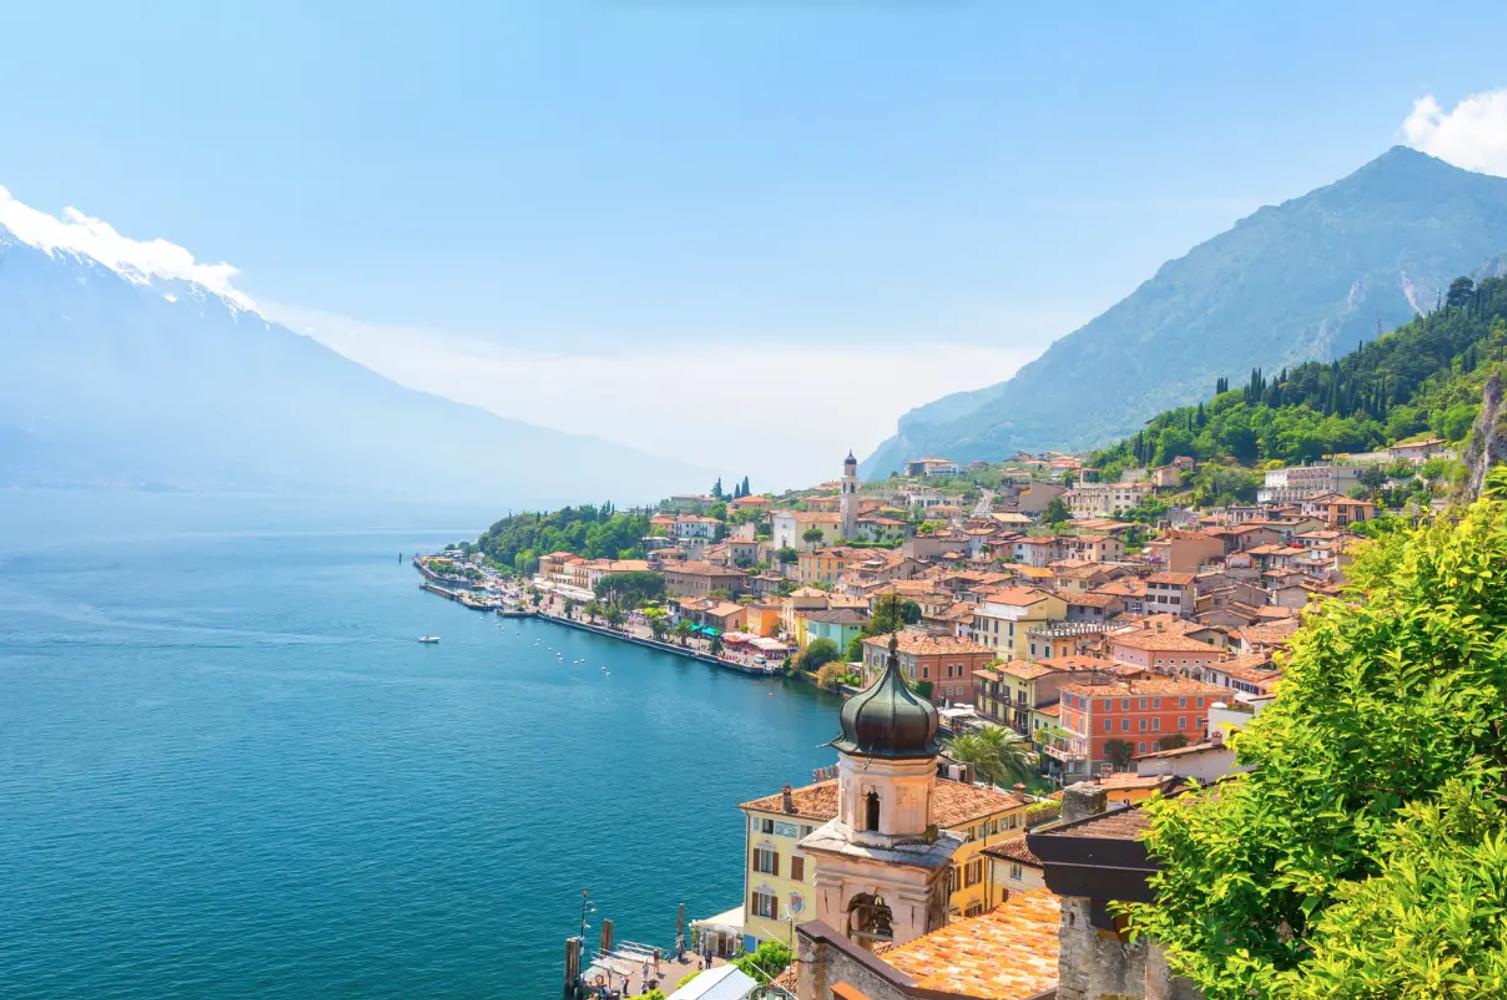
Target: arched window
{"x": 871, "y": 811}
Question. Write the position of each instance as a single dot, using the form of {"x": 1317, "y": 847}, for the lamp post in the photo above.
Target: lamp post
{"x": 586, "y": 907}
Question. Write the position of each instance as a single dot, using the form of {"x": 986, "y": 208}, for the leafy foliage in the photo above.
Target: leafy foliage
{"x": 630, "y": 589}
{"x": 766, "y": 961}
{"x": 998, "y": 755}
{"x": 818, "y": 653}
{"x": 1364, "y": 856}
{"x": 594, "y": 532}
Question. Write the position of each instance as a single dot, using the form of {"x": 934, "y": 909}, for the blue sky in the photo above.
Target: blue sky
{"x": 782, "y": 195}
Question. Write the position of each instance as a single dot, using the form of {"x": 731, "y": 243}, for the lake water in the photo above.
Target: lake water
{"x": 227, "y": 768}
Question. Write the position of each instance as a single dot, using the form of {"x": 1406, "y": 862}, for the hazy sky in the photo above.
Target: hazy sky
{"x": 765, "y": 228}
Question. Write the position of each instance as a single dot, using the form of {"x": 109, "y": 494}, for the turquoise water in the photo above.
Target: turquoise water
{"x": 227, "y": 768}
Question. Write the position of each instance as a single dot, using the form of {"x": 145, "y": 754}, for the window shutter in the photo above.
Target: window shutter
{"x": 774, "y": 864}
{"x": 753, "y": 859}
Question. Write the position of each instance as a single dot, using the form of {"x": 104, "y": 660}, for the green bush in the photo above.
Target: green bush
{"x": 1366, "y": 853}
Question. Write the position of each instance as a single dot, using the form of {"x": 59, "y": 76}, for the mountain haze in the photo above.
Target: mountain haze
{"x": 106, "y": 381}
{"x": 1304, "y": 280}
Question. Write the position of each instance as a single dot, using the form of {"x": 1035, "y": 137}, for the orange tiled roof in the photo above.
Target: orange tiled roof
{"x": 815, "y": 802}
{"x": 1009, "y": 953}
{"x": 916, "y": 643}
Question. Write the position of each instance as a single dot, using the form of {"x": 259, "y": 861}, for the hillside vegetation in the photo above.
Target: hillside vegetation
{"x": 1424, "y": 378}
{"x": 1301, "y": 281}
{"x": 602, "y": 532}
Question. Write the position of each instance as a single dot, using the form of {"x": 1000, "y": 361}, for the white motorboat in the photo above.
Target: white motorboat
{"x": 429, "y": 639}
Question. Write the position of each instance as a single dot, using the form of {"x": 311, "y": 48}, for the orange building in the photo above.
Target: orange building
{"x": 1139, "y": 712}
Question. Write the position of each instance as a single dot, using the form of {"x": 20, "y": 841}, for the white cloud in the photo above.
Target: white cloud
{"x": 1473, "y": 135}
{"x": 784, "y": 413}
{"x": 138, "y": 261}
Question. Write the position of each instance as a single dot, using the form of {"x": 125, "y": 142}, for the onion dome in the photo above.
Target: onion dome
{"x": 887, "y": 719}
{"x": 850, "y": 460}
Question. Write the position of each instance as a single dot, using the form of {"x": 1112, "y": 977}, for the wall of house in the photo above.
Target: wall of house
{"x": 1094, "y": 964}
{"x": 781, "y": 841}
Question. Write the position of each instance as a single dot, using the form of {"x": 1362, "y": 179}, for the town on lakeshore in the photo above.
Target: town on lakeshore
{"x": 1029, "y": 652}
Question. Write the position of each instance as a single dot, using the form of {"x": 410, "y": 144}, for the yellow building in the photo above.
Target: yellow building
{"x": 826, "y": 566}
{"x": 779, "y": 884}
{"x": 1004, "y": 616}
{"x": 778, "y": 879}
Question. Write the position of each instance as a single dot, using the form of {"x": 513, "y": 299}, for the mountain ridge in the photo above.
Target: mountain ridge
{"x": 1301, "y": 280}
{"x": 109, "y": 379}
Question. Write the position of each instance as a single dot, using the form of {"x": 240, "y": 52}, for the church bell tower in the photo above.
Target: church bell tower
{"x": 848, "y": 502}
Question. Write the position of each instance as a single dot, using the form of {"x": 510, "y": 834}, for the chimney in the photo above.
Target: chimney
{"x": 1082, "y": 800}
{"x": 787, "y": 800}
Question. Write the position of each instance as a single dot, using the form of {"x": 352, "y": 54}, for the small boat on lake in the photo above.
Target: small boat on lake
{"x": 429, "y": 640}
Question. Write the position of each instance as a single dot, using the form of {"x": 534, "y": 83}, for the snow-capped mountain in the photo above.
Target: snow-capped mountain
{"x": 115, "y": 373}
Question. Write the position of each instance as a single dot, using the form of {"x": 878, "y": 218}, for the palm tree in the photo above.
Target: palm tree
{"x": 997, "y": 754}
{"x": 615, "y": 616}
{"x": 682, "y": 630}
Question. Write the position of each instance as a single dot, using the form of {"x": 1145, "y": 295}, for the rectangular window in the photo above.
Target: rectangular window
{"x": 1182, "y": 722}
{"x": 1142, "y": 725}
{"x": 1124, "y": 725}
{"x": 1016, "y": 873}
{"x": 1182, "y": 702}
{"x": 1143, "y": 746}
{"x": 766, "y": 861}
{"x": 766, "y": 905}
{"x": 1108, "y": 705}
{"x": 1109, "y": 725}
{"x": 766, "y": 826}
{"x": 1125, "y": 704}
{"x": 1200, "y": 703}
{"x": 1156, "y": 723}
{"x": 1143, "y": 704}
{"x": 1156, "y": 703}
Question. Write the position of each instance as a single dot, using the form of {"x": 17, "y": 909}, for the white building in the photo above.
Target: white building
{"x": 1299, "y": 482}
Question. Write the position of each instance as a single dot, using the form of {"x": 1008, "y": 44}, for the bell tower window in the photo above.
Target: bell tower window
{"x": 871, "y": 811}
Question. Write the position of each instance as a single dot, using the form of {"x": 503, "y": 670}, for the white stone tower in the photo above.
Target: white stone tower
{"x": 848, "y": 502}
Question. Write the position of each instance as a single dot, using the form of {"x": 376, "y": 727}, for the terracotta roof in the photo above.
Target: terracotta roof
{"x": 955, "y": 804}
{"x": 1013, "y": 850}
{"x": 1015, "y": 595}
{"x": 1126, "y": 586}
{"x": 1025, "y": 670}
{"x": 1152, "y": 641}
{"x": 815, "y": 802}
{"x": 1089, "y": 599}
{"x": 1009, "y": 953}
{"x": 1168, "y": 577}
{"x": 1147, "y": 685}
{"x": 916, "y": 643}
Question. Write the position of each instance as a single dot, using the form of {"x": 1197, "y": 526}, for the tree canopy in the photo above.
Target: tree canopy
{"x": 1423, "y": 377}
{"x": 1366, "y": 853}
{"x": 601, "y": 532}
{"x": 999, "y": 756}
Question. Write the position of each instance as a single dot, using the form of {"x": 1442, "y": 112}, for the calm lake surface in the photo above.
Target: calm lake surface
{"x": 227, "y": 768}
